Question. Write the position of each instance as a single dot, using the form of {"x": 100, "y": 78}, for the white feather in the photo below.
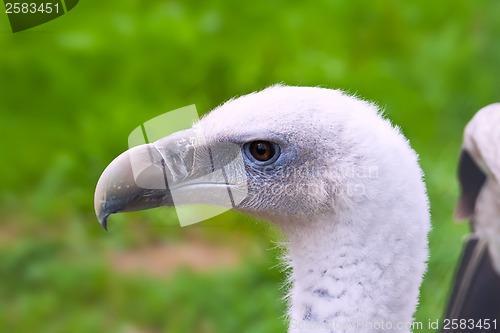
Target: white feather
{"x": 358, "y": 247}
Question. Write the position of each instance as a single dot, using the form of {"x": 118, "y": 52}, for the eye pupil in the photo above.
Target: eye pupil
{"x": 262, "y": 150}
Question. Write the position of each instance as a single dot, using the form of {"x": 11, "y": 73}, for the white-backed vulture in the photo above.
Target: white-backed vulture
{"x": 341, "y": 183}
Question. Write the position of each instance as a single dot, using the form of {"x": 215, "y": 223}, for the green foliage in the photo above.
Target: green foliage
{"x": 53, "y": 290}
{"x": 72, "y": 90}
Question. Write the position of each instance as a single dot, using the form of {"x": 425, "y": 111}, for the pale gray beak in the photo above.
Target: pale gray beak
{"x": 178, "y": 169}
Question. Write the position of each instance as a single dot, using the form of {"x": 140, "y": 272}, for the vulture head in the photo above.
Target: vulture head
{"x": 328, "y": 170}
{"x": 479, "y": 176}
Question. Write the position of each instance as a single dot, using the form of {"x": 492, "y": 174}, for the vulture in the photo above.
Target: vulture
{"x": 476, "y": 292}
{"x": 328, "y": 170}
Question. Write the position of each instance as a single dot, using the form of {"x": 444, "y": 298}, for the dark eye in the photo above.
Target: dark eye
{"x": 263, "y": 151}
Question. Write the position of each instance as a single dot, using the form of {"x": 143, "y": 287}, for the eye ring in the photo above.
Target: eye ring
{"x": 262, "y": 152}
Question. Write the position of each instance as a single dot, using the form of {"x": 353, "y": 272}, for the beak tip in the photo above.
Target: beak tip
{"x": 104, "y": 223}
{"x": 102, "y": 216}
{"x": 460, "y": 215}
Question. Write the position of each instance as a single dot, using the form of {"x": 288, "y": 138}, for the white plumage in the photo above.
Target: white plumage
{"x": 361, "y": 260}
{"x": 346, "y": 191}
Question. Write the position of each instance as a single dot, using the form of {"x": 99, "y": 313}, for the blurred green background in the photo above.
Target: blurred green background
{"x": 72, "y": 90}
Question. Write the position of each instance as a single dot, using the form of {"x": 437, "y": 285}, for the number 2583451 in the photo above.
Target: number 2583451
{"x": 31, "y": 8}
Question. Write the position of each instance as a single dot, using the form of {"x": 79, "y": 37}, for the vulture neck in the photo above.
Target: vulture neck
{"x": 348, "y": 277}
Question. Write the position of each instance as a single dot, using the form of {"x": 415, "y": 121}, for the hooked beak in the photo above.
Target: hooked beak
{"x": 178, "y": 169}
{"x": 471, "y": 179}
